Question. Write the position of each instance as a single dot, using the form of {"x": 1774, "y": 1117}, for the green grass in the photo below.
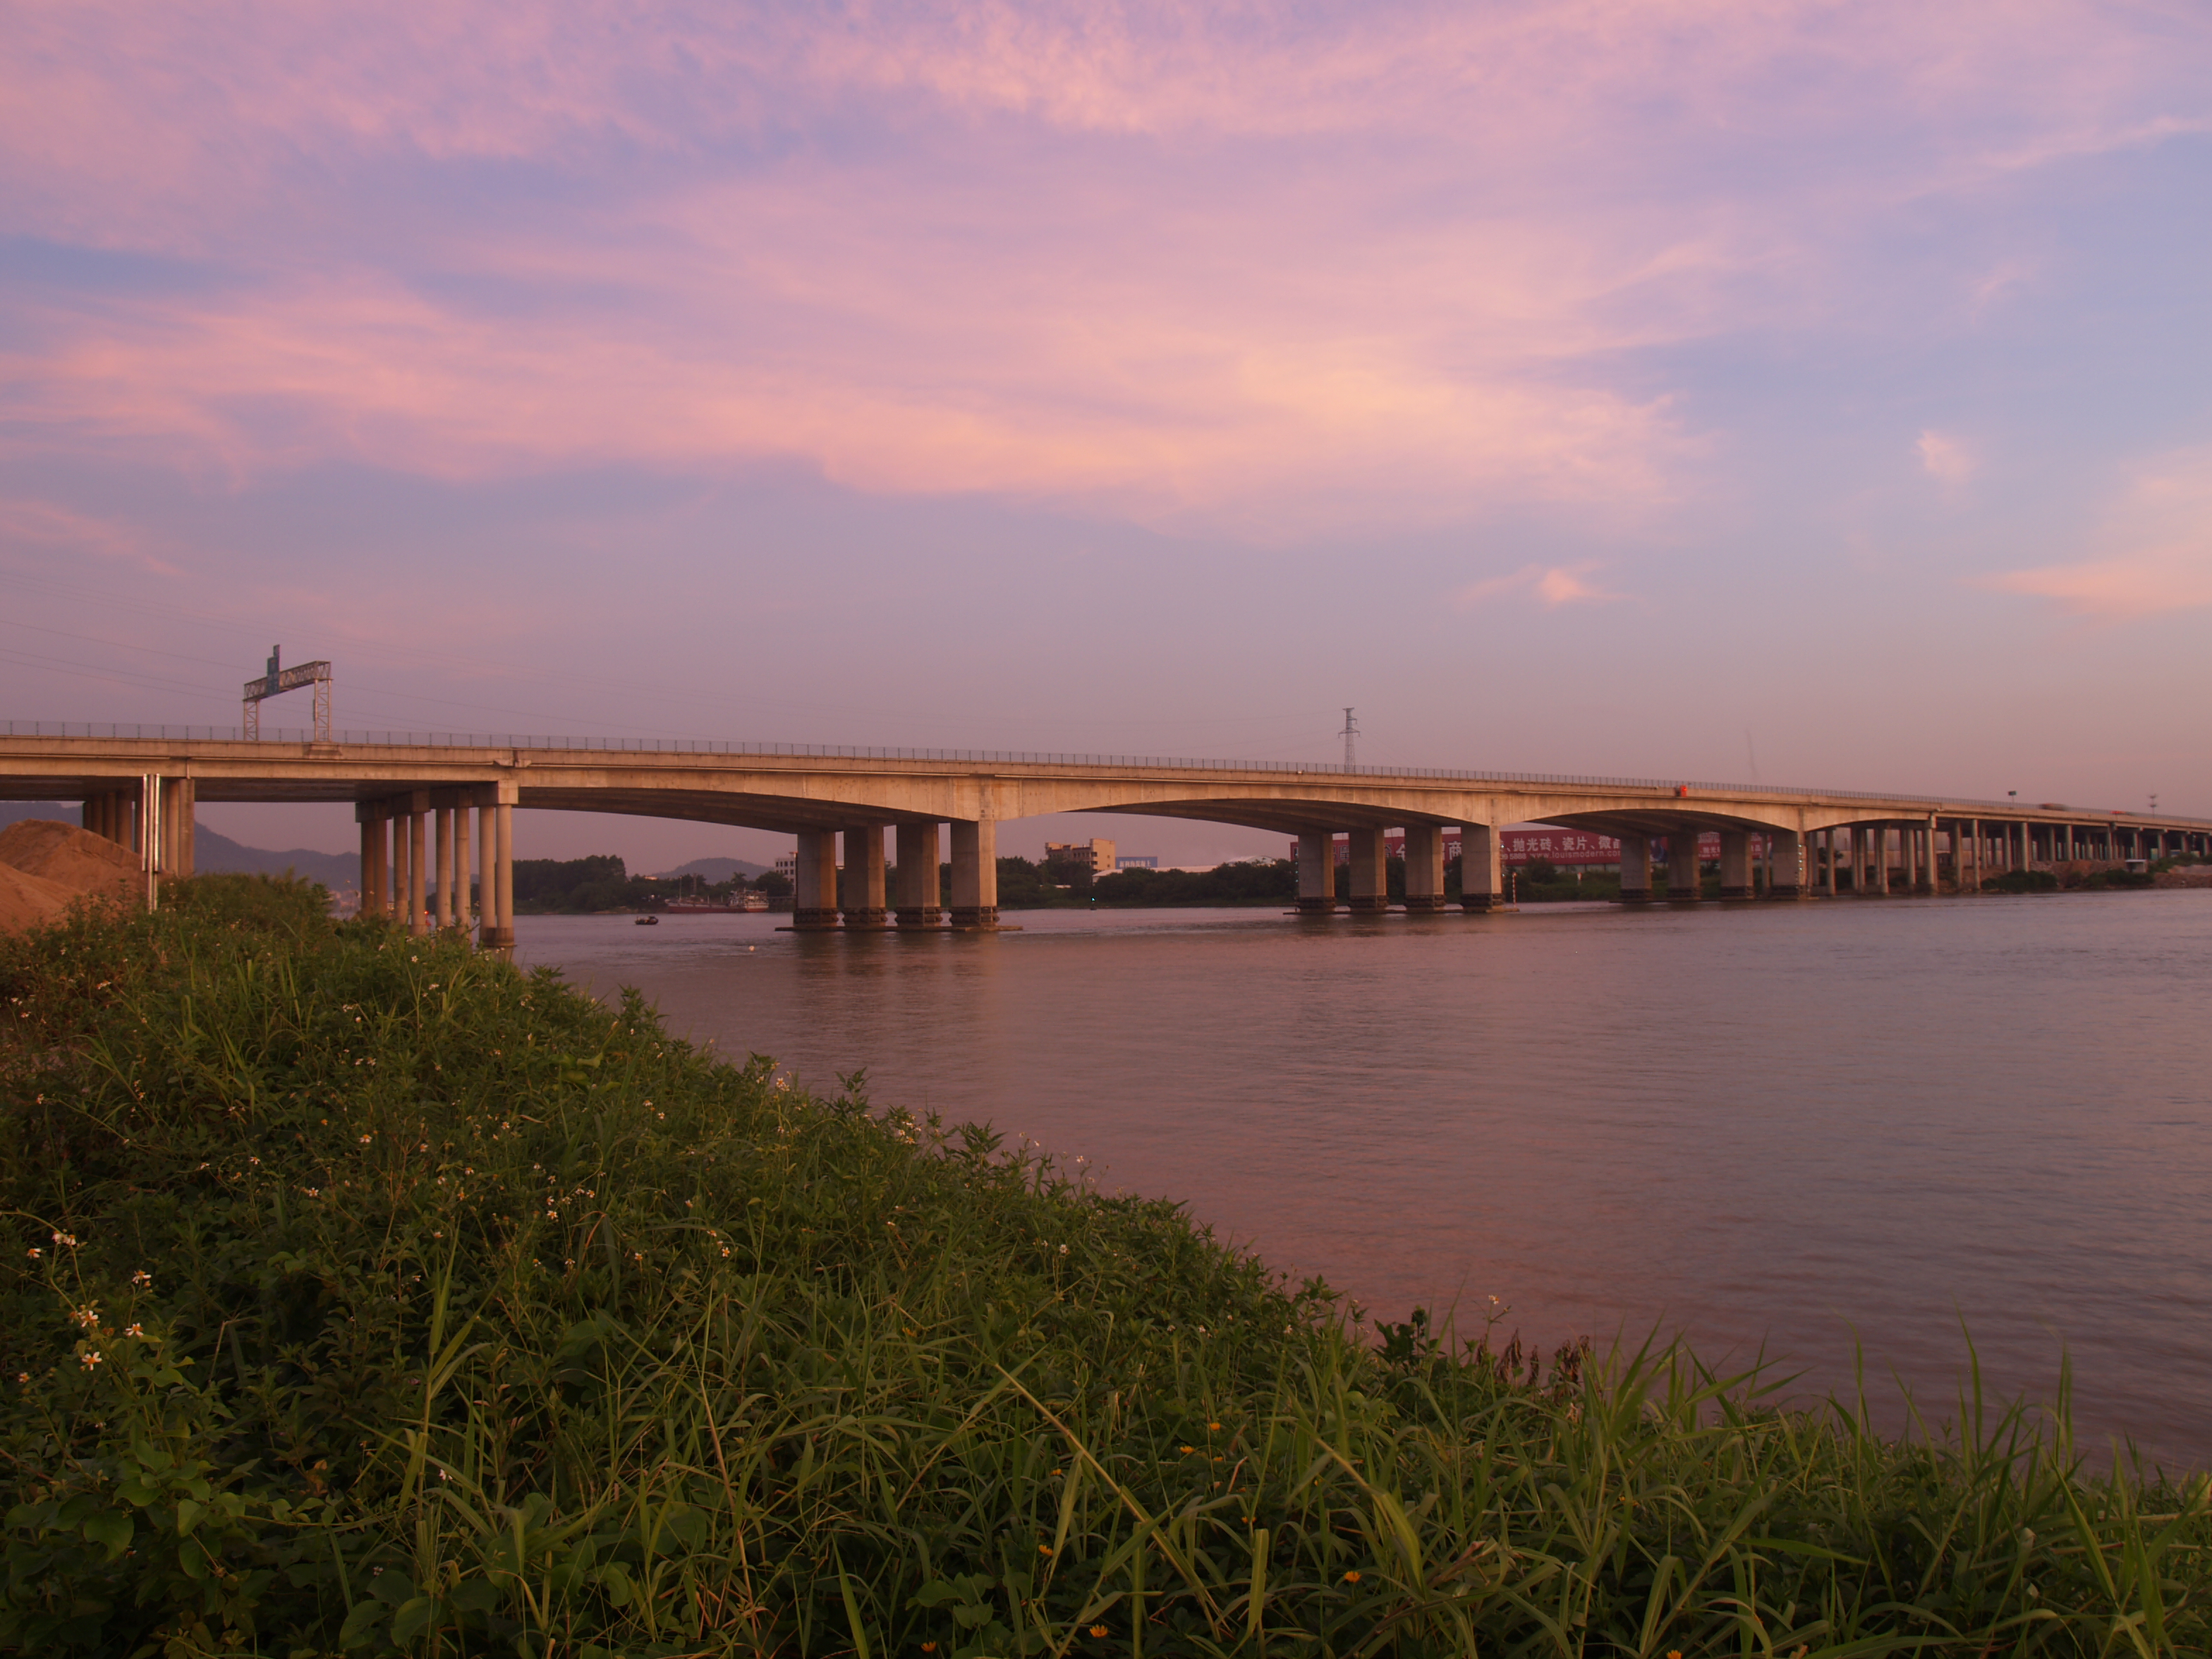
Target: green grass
{"x": 369, "y": 1296}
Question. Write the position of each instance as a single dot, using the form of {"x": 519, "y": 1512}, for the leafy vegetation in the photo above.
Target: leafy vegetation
{"x": 367, "y": 1296}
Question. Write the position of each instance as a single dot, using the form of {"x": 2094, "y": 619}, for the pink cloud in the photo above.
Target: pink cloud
{"x": 2154, "y": 553}
{"x": 1945, "y": 459}
{"x": 1271, "y": 272}
{"x": 44, "y": 531}
{"x": 1551, "y": 584}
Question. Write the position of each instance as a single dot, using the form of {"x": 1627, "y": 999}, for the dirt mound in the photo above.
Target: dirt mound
{"x": 2187, "y": 875}
{"x": 75, "y": 861}
{"x": 25, "y": 901}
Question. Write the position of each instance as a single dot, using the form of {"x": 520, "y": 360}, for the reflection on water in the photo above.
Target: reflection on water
{"x": 1772, "y": 1124}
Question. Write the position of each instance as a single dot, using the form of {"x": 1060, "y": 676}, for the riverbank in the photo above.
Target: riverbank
{"x": 382, "y": 1289}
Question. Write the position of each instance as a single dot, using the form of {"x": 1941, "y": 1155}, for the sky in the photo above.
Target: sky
{"x": 1805, "y": 393}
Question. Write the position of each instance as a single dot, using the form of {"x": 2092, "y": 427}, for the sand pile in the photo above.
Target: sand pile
{"x": 25, "y": 901}
{"x": 43, "y": 858}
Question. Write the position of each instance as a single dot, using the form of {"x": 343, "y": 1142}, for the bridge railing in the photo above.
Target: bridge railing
{"x": 986, "y": 756}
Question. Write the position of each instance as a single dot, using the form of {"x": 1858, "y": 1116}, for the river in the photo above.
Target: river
{"x": 1787, "y": 1126}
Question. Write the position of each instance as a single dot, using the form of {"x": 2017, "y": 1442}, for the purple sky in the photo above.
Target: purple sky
{"x": 1820, "y": 393}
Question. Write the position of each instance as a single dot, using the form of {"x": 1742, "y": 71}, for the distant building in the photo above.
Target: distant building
{"x": 787, "y": 866}
{"x": 1136, "y": 861}
{"x": 1095, "y": 856}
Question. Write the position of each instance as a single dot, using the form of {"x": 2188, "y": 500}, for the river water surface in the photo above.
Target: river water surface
{"x": 1787, "y": 1125}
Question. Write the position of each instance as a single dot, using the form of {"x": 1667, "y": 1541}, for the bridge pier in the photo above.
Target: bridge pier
{"x": 1635, "y": 868}
{"x": 814, "y": 899}
{"x": 461, "y": 873}
{"x": 372, "y": 861}
{"x": 500, "y": 875}
{"x": 444, "y": 920}
{"x": 1682, "y": 884}
{"x": 1927, "y": 885}
{"x": 1481, "y": 884}
{"x": 418, "y": 810}
{"x": 1316, "y": 873}
{"x": 1735, "y": 865}
{"x": 1371, "y": 889}
{"x": 398, "y": 820}
{"x": 1785, "y": 864}
{"x": 862, "y": 900}
{"x": 179, "y": 803}
{"x": 1425, "y": 869}
{"x": 919, "y": 902}
{"x": 975, "y": 873}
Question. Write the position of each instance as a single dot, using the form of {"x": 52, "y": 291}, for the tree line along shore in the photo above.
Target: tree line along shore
{"x": 603, "y": 884}
{"x": 367, "y": 1295}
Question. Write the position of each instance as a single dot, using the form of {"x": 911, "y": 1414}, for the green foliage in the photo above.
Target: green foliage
{"x": 2021, "y": 881}
{"x": 1250, "y": 881}
{"x": 365, "y": 1296}
{"x": 575, "y": 886}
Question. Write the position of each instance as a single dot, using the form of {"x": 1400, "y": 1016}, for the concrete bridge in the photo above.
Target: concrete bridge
{"x": 431, "y": 806}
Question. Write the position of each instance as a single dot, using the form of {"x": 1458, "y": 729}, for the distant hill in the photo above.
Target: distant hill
{"x": 217, "y": 855}
{"x": 714, "y": 870}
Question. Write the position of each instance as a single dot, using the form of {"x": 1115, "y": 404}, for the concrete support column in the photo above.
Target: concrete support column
{"x": 372, "y": 856}
{"x": 386, "y": 906}
{"x": 1316, "y": 873}
{"x": 1970, "y": 853}
{"x": 1425, "y": 869}
{"x": 461, "y": 882}
{"x": 814, "y": 902}
{"x": 1481, "y": 886}
{"x": 862, "y": 900}
{"x": 1908, "y": 857}
{"x": 447, "y": 910}
{"x": 418, "y": 863}
{"x": 1682, "y": 865}
{"x": 1881, "y": 859}
{"x": 502, "y": 869}
{"x": 1735, "y": 864}
{"x": 1370, "y": 890}
{"x": 1929, "y": 883}
{"x": 179, "y": 796}
{"x": 1785, "y": 865}
{"x": 488, "y": 915}
{"x": 975, "y": 873}
{"x": 1828, "y": 861}
{"x": 1635, "y": 868}
{"x": 919, "y": 903}
{"x": 402, "y": 876}
{"x": 148, "y": 839}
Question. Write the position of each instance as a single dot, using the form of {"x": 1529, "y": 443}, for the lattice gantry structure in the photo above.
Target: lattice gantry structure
{"x": 280, "y": 679}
